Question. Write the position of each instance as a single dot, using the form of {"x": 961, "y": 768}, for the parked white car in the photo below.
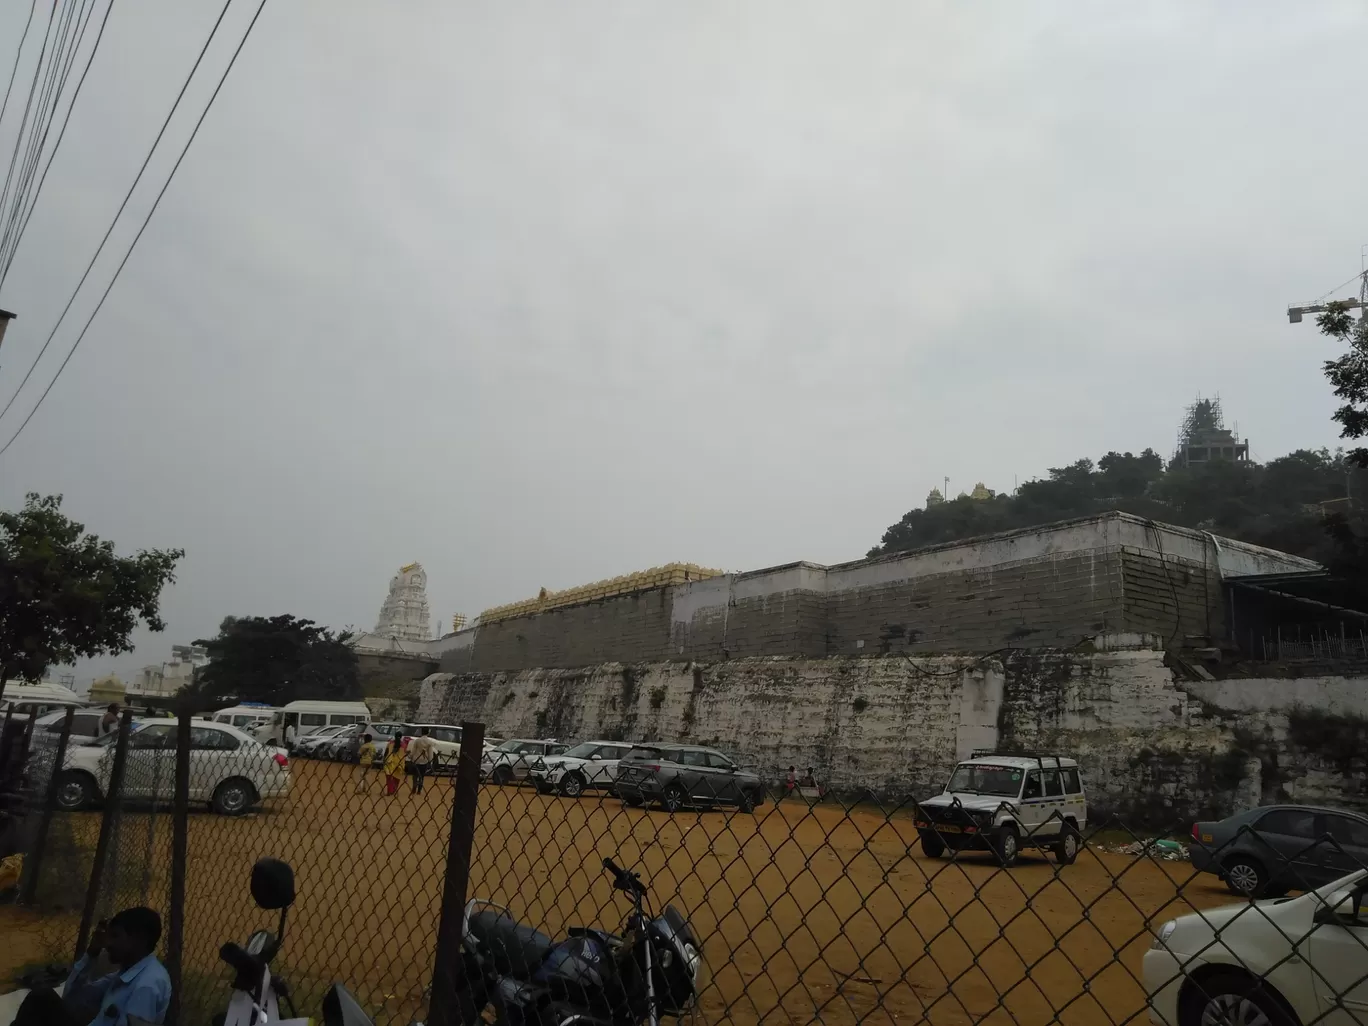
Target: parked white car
{"x": 1252, "y": 962}
{"x": 85, "y": 725}
{"x": 513, "y": 760}
{"x": 228, "y": 769}
{"x": 589, "y": 764}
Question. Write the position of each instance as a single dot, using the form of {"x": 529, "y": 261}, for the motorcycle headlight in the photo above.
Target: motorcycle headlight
{"x": 1165, "y": 932}
{"x": 692, "y": 959}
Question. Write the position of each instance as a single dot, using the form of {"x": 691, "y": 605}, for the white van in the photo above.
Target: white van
{"x": 39, "y": 698}
{"x": 245, "y": 717}
{"x": 309, "y": 716}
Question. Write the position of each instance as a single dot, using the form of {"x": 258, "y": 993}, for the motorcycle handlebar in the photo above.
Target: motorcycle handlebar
{"x": 623, "y": 880}
{"x": 244, "y": 964}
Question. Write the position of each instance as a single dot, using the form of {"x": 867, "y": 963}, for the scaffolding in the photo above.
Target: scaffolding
{"x": 1203, "y": 436}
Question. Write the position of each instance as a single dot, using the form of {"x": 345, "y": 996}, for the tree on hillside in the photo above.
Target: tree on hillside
{"x": 65, "y": 594}
{"x": 276, "y": 660}
{"x": 1278, "y": 504}
{"x": 1349, "y": 375}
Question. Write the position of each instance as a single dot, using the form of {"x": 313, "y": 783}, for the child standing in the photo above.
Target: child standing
{"x": 366, "y": 756}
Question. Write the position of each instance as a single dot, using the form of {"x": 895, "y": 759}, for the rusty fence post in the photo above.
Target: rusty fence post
{"x": 446, "y": 963}
{"x": 33, "y": 865}
{"x": 113, "y": 806}
{"x": 180, "y": 830}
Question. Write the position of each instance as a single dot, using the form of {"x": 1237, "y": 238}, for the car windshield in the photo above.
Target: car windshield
{"x": 582, "y": 750}
{"x": 977, "y": 778}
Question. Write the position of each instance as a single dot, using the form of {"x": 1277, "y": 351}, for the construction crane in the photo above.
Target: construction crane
{"x": 1294, "y": 313}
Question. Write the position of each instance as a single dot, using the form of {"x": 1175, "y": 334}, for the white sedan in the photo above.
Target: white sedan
{"x": 1253, "y": 963}
{"x": 228, "y": 768}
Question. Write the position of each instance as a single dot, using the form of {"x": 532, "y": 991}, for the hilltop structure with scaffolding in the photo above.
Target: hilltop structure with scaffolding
{"x": 1203, "y": 436}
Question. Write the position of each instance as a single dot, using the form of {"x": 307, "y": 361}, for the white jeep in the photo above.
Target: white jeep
{"x": 1002, "y": 803}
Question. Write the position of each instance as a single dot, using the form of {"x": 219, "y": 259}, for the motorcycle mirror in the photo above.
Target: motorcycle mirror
{"x": 273, "y": 884}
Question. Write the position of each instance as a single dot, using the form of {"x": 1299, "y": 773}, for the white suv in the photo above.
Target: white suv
{"x": 513, "y": 760}
{"x": 588, "y": 764}
{"x": 228, "y": 769}
{"x": 1002, "y": 803}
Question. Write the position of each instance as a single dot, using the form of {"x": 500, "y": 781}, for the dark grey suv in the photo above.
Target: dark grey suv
{"x": 1268, "y": 851}
{"x": 680, "y": 775}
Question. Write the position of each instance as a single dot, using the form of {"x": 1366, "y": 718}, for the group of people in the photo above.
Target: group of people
{"x": 420, "y": 752}
{"x": 792, "y": 781}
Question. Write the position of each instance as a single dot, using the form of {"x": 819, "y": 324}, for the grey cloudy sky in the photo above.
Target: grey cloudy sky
{"x": 539, "y": 293}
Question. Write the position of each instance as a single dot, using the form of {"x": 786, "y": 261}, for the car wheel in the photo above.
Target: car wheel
{"x": 932, "y": 846}
{"x": 1007, "y": 845}
{"x": 572, "y": 786}
{"x": 746, "y": 802}
{"x": 74, "y": 791}
{"x": 233, "y": 797}
{"x": 1245, "y": 877}
{"x": 673, "y": 799}
{"x": 633, "y": 803}
{"x": 1067, "y": 847}
{"x": 1231, "y": 999}
{"x": 503, "y": 775}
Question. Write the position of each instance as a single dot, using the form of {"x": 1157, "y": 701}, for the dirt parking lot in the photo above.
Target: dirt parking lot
{"x": 805, "y": 914}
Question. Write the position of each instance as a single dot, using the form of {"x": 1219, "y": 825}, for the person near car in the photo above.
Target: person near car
{"x": 394, "y": 764}
{"x": 790, "y": 781}
{"x": 139, "y": 990}
{"x": 365, "y": 755}
{"x": 809, "y": 779}
{"x": 289, "y": 733}
{"x": 421, "y": 752}
{"x": 109, "y": 722}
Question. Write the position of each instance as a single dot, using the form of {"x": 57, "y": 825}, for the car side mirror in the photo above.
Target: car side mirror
{"x": 273, "y": 884}
{"x": 1342, "y": 906}
{"x": 595, "y": 757}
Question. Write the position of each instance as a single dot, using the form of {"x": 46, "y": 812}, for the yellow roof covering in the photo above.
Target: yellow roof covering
{"x": 656, "y": 577}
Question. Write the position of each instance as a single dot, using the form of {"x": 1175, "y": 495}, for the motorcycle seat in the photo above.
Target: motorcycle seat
{"x": 517, "y": 950}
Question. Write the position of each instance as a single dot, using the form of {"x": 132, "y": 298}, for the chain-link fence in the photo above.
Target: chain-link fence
{"x": 1009, "y": 901}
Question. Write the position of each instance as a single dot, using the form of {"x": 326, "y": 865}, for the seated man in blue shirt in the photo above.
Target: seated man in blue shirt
{"x": 138, "y": 991}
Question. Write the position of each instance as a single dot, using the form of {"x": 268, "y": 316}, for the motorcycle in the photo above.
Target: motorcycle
{"x": 591, "y": 978}
{"x": 257, "y": 993}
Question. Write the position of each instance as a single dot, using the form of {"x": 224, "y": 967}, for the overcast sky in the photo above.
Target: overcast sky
{"x": 541, "y": 293}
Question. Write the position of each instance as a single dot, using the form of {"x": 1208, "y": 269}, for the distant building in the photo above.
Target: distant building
{"x": 162, "y": 680}
{"x": 1204, "y": 437}
{"x": 404, "y": 614}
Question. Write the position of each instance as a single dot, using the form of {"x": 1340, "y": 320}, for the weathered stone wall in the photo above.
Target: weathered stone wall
{"x": 1052, "y": 587}
{"x": 1155, "y": 749}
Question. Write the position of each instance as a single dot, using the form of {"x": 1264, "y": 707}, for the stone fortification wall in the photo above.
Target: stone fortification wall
{"x": 1155, "y": 748}
{"x": 1052, "y": 587}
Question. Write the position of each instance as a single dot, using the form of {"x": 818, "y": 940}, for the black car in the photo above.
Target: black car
{"x": 680, "y": 775}
{"x": 1268, "y": 851}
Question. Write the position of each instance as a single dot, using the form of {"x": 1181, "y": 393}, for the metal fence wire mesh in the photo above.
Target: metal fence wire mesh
{"x": 806, "y": 908}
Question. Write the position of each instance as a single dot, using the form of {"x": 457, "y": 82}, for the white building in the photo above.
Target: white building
{"x": 404, "y": 614}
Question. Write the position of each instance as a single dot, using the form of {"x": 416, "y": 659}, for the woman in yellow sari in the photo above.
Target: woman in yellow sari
{"x": 394, "y": 764}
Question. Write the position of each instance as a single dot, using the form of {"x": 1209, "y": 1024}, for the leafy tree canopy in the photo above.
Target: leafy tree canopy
{"x": 1294, "y": 503}
{"x": 1349, "y": 375}
{"x": 278, "y": 659}
{"x": 65, "y": 594}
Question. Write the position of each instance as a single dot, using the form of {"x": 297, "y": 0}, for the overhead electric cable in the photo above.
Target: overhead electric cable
{"x": 146, "y": 220}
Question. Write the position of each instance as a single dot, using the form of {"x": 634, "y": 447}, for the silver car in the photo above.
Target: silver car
{"x": 513, "y": 760}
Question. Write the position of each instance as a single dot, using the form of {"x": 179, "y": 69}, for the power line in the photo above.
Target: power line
{"x": 127, "y": 196}
{"x": 99, "y": 36}
{"x": 28, "y": 105}
{"x": 33, "y": 6}
{"x": 146, "y": 220}
{"x": 54, "y": 85}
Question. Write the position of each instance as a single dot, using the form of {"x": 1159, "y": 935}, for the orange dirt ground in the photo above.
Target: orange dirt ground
{"x": 805, "y": 914}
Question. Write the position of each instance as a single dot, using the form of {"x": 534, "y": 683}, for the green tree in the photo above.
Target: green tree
{"x": 65, "y": 594}
{"x": 278, "y": 659}
{"x": 1349, "y": 375}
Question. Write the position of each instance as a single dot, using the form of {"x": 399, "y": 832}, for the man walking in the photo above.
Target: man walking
{"x": 421, "y": 751}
